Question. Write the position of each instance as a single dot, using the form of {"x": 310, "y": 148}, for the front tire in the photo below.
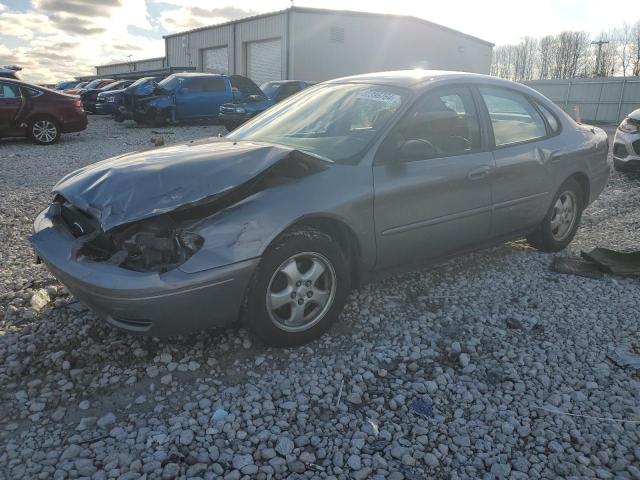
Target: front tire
{"x": 561, "y": 222}
{"x": 44, "y": 130}
{"x": 298, "y": 290}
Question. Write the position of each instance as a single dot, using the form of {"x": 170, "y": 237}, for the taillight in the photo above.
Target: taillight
{"x": 77, "y": 103}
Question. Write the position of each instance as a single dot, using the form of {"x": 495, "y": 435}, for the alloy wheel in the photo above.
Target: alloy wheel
{"x": 45, "y": 131}
{"x": 563, "y": 217}
{"x": 301, "y": 291}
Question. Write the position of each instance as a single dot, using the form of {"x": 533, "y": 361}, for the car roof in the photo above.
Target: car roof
{"x": 417, "y": 77}
{"x": 196, "y": 74}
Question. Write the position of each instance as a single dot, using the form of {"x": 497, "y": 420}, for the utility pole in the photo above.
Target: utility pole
{"x": 599, "y": 62}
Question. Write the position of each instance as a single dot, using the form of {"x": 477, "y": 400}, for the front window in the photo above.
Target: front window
{"x": 335, "y": 122}
{"x": 170, "y": 83}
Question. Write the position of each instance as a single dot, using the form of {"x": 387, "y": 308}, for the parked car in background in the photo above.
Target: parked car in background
{"x": 184, "y": 96}
{"x": 275, "y": 223}
{"x": 626, "y": 144}
{"x": 10, "y": 71}
{"x": 65, "y": 85}
{"x": 37, "y": 112}
{"x": 97, "y": 83}
{"x": 89, "y": 97}
{"x": 237, "y": 112}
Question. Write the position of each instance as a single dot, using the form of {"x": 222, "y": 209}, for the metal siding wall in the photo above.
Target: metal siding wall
{"x": 373, "y": 43}
{"x": 153, "y": 64}
{"x": 606, "y": 100}
{"x": 264, "y": 28}
{"x": 185, "y": 50}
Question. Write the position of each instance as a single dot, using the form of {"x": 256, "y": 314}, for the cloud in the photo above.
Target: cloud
{"x": 186, "y": 18}
{"x": 84, "y": 8}
{"x": 75, "y": 25}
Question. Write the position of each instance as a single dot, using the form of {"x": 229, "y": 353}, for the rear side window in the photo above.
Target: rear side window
{"x": 550, "y": 117}
{"x": 513, "y": 118}
{"x": 202, "y": 85}
{"x": 8, "y": 91}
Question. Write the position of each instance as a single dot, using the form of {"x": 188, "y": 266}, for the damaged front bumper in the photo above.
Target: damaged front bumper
{"x": 158, "y": 304}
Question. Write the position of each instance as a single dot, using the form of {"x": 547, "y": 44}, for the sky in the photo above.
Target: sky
{"x": 59, "y": 39}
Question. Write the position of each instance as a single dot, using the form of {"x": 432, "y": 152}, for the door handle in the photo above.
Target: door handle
{"x": 479, "y": 173}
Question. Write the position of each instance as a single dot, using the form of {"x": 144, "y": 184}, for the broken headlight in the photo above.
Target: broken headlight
{"x": 153, "y": 245}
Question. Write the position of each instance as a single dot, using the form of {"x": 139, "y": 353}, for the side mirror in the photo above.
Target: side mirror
{"x": 416, "y": 149}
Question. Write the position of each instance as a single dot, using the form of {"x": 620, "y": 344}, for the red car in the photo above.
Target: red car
{"x": 37, "y": 112}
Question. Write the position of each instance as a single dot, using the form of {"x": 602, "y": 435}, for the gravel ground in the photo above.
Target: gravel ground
{"x": 488, "y": 366}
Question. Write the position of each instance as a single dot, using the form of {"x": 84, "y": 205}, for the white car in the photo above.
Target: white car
{"x": 626, "y": 145}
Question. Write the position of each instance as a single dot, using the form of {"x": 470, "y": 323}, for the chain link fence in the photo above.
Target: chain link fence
{"x": 597, "y": 100}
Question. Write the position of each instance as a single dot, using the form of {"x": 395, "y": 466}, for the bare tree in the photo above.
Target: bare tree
{"x": 634, "y": 50}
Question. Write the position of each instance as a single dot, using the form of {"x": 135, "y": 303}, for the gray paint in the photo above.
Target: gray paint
{"x": 399, "y": 215}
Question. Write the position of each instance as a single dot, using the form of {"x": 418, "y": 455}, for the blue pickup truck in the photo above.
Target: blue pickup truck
{"x": 184, "y": 97}
{"x": 238, "y": 111}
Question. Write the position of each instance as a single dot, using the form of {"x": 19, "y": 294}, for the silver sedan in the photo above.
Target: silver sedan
{"x": 275, "y": 223}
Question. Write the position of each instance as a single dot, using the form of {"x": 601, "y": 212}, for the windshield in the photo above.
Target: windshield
{"x": 170, "y": 83}
{"x": 335, "y": 122}
{"x": 140, "y": 81}
{"x": 112, "y": 86}
{"x": 92, "y": 84}
{"x": 270, "y": 88}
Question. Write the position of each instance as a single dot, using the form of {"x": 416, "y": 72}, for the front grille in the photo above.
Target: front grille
{"x": 620, "y": 150}
{"x": 636, "y": 146}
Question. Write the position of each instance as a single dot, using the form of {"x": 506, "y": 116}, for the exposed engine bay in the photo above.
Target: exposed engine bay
{"x": 163, "y": 242}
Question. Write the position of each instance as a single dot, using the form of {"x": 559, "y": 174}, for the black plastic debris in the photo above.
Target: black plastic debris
{"x": 598, "y": 261}
{"x": 576, "y": 266}
{"x": 610, "y": 261}
{"x": 422, "y": 408}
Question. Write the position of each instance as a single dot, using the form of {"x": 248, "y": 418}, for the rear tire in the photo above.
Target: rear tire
{"x": 561, "y": 222}
{"x": 44, "y": 130}
{"x": 298, "y": 290}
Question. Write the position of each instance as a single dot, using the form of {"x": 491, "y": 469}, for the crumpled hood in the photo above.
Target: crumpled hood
{"x": 144, "y": 184}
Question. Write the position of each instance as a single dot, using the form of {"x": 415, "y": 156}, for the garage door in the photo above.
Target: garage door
{"x": 264, "y": 61}
{"x": 215, "y": 60}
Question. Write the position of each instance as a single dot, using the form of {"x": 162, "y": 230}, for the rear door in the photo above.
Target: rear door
{"x": 201, "y": 97}
{"x": 10, "y": 105}
{"x": 429, "y": 205}
{"x": 521, "y": 185}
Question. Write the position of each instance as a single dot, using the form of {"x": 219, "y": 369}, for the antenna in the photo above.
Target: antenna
{"x": 599, "y": 62}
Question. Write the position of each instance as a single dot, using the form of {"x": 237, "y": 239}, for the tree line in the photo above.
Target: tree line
{"x": 571, "y": 54}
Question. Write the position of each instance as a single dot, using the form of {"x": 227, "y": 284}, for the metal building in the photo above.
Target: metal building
{"x": 131, "y": 67}
{"x": 317, "y": 44}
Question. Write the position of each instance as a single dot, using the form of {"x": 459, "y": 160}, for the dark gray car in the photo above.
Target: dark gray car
{"x": 275, "y": 223}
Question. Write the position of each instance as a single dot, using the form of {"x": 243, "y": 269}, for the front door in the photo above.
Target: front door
{"x": 10, "y": 105}
{"x": 432, "y": 181}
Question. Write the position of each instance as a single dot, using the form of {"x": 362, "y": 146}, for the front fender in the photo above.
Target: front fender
{"x": 244, "y": 231}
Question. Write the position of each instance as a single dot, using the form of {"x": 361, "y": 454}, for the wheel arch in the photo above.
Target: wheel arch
{"x": 342, "y": 233}
{"x": 583, "y": 180}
